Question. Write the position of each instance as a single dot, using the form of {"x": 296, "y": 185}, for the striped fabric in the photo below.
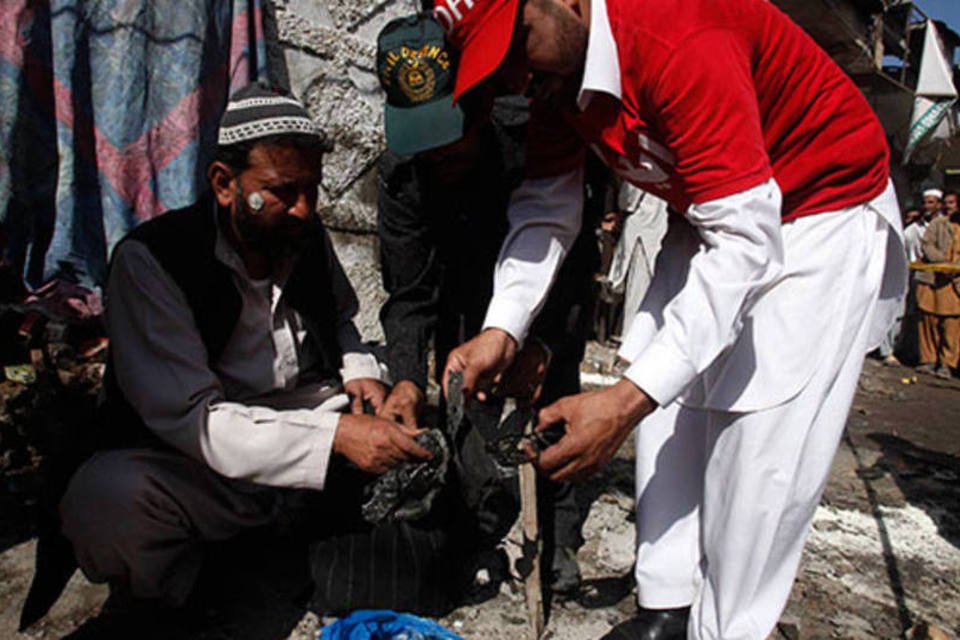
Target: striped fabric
{"x": 395, "y": 566}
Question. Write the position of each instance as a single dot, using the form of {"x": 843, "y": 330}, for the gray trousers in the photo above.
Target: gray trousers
{"x": 137, "y": 518}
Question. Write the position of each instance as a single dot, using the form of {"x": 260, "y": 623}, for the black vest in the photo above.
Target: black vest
{"x": 183, "y": 243}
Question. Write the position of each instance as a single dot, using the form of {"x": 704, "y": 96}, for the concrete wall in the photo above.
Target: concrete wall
{"x": 324, "y": 51}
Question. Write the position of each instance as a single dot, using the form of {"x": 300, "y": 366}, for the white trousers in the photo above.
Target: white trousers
{"x": 725, "y": 499}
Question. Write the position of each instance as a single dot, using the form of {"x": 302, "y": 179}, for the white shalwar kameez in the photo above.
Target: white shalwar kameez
{"x": 735, "y": 467}
{"x": 751, "y": 340}
{"x": 731, "y": 467}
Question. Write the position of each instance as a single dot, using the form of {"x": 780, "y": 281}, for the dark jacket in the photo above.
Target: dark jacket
{"x": 183, "y": 242}
{"x": 439, "y": 242}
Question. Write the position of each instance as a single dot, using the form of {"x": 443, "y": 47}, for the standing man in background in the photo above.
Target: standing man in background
{"x": 785, "y": 269}
{"x": 938, "y": 294}
{"x": 914, "y": 224}
{"x": 445, "y": 181}
{"x": 932, "y": 204}
{"x": 951, "y": 203}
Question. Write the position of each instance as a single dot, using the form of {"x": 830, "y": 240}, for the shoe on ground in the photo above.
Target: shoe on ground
{"x": 943, "y": 371}
{"x": 487, "y": 571}
{"x": 928, "y": 369}
{"x": 565, "y": 572}
{"x": 891, "y": 361}
{"x": 653, "y": 624}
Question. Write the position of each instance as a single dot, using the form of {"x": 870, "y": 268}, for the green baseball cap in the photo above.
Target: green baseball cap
{"x": 417, "y": 71}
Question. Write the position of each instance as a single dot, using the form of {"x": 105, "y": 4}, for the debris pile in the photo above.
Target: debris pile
{"x": 52, "y": 362}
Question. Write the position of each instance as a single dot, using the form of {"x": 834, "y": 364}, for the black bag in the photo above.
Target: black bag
{"x": 409, "y": 560}
{"x": 396, "y": 565}
{"x": 387, "y": 540}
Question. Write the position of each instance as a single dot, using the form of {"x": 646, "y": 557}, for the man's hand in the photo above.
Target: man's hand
{"x": 404, "y": 405}
{"x": 481, "y": 359}
{"x": 369, "y": 389}
{"x": 374, "y": 444}
{"x": 612, "y": 223}
{"x": 524, "y": 378}
{"x": 597, "y": 423}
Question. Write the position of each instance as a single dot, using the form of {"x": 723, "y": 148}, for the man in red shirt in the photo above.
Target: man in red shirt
{"x": 782, "y": 267}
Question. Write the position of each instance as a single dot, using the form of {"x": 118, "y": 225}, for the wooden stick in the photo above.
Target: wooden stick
{"x": 936, "y": 267}
{"x": 531, "y": 545}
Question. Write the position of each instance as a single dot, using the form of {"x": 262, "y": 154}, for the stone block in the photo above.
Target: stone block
{"x": 359, "y": 255}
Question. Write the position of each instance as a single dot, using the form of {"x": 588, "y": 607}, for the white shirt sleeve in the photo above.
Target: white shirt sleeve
{"x": 913, "y": 241}
{"x": 161, "y": 367}
{"x": 740, "y": 254}
{"x": 544, "y": 216}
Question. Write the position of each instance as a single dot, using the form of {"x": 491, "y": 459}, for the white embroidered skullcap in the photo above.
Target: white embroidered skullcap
{"x": 257, "y": 111}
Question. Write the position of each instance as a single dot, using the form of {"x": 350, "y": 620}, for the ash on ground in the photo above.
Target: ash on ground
{"x": 882, "y": 560}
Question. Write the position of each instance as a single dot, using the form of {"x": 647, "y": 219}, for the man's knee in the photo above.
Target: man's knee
{"x": 111, "y": 498}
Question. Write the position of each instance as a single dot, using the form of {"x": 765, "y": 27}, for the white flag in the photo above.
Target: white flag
{"x": 935, "y": 95}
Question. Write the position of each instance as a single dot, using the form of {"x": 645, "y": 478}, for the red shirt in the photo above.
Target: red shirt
{"x": 718, "y": 96}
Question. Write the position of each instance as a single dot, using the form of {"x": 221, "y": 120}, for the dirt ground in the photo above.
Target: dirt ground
{"x": 882, "y": 558}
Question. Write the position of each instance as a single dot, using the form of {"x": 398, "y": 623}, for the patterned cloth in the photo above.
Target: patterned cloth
{"x": 127, "y": 95}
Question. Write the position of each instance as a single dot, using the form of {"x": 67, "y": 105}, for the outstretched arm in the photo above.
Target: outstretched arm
{"x": 161, "y": 368}
{"x": 544, "y": 216}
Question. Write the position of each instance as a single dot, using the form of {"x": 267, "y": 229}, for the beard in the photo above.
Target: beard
{"x": 572, "y": 38}
{"x": 274, "y": 237}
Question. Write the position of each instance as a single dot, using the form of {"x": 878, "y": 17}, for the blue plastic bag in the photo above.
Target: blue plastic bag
{"x": 383, "y": 624}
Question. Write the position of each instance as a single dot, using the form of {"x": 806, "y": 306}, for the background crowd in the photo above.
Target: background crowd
{"x": 928, "y": 334}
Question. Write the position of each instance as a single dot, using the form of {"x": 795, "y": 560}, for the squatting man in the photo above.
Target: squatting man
{"x": 233, "y": 361}
{"x": 782, "y": 268}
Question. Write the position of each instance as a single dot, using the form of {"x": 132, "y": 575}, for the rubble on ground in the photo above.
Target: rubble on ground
{"x": 882, "y": 561}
